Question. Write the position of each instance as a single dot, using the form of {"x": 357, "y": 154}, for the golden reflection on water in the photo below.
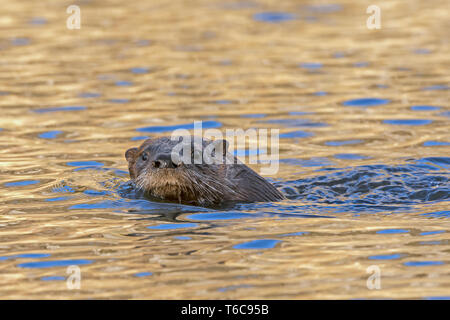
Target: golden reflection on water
{"x": 210, "y": 60}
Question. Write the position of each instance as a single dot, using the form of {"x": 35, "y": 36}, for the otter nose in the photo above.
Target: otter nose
{"x": 163, "y": 161}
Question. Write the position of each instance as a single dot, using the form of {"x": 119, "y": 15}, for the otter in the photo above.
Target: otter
{"x": 195, "y": 171}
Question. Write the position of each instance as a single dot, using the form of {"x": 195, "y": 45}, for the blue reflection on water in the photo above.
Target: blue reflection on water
{"x": 273, "y": 17}
{"x": 371, "y": 188}
{"x": 232, "y": 288}
{"x": 422, "y": 51}
{"x": 386, "y": 257}
{"x": 435, "y": 143}
{"x": 424, "y": 108}
{"x": 430, "y": 243}
{"x": 119, "y": 100}
{"x": 38, "y": 21}
{"x": 437, "y": 87}
{"x": 422, "y": 263}
{"x": 311, "y": 65}
{"x": 294, "y": 234}
{"x": 26, "y": 255}
{"x": 243, "y": 4}
{"x": 223, "y": 101}
{"x": 428, "y": 233}
{"x": 143, "y": 274}
{"x": 84, "y": 164}
{"x": 313, "y": 162}
{"x": 50, "y": 134}
{"x": 365, "y": 102}
{"x": 53, "y": 278}
{"x": 257, "y": 244}
{"x": 362, "y": 189}
{"x": 21, "y": 183}
{"x": 220, "y": 216}
{"x": 89, "y": 95}
{"x": 350, "y": 156}
{"x": 296, "y": 134}
{"x": 143, "y": 42}
{"x": 20, "y": 41}
{"x": 137, "y": 138}
{"x": 182, "y": 238}
{"x": 324, "y": 8}
{"x": 107, "y": 204}
{"x": 96, "y": 192}
{"x": 361, "y": 64}
{"x": 408, "y": 122}
{"x": 124, "y": 83}
{"x": 58, "y": 109}
{"x": 54, "y": 263}
{"x": 289, "y": 123}
{"x": 172, "y": 226}
{"x": 299, "y": 113}
{"x": 254, "y": 115}
{"x": 58, "y": 199}
{"x": 392, "y": 231}
{"x": 34, "y": 255}
{"x": 342, "y": 143}
{"x": 187, "y": 126}
{"x": 439, "y": 214}
{"x": 247, "y": 152}
{"x": 138, "y": 70}
{"x": 63, "y": 188}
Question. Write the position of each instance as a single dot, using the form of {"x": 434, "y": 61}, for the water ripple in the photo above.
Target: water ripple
{"x": 377, "y": 187}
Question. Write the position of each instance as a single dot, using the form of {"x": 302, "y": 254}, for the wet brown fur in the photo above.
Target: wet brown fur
{"x": 196, "y": 184}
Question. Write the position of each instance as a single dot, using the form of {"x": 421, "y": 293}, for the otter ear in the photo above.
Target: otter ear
{"x": 131, "y": 153}
{"x": 221, "y": 145}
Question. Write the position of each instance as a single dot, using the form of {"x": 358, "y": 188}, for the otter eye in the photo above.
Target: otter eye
{"x": 144, "y": 157}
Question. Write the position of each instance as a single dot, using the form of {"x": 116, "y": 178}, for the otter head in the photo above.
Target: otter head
{"x": 181, "y": 170}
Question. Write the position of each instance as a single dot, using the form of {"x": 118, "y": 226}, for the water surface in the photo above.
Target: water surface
{"x": 364, "y": 149}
